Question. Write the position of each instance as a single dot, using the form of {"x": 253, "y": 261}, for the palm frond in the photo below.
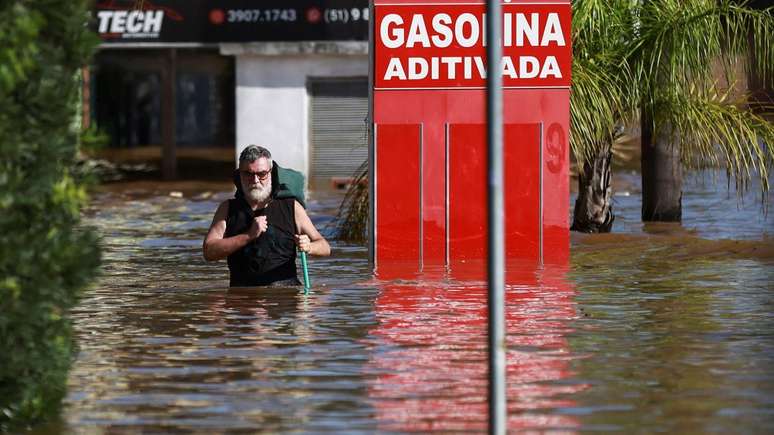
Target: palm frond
{"x": 680, "y": 41}
{"x": 713, "y": 129}
{"x": 350, "y": 223}
{"x": 603, "y": 95}
{"x": 601, "y": 99}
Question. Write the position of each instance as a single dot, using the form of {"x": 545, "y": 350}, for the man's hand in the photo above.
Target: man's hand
{"x": 258, "y": 227}
{"x": 303, "y": 243}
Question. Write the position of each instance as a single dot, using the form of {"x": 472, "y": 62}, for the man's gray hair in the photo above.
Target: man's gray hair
{"x": 253, "y": 153}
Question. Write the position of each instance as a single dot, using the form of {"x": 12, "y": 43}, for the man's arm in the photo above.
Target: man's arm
{"x": 217, "y": 247}
{"x": 308, "y": 238}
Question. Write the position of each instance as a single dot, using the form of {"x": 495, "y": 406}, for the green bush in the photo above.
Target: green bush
{"x": 46, "y": 257}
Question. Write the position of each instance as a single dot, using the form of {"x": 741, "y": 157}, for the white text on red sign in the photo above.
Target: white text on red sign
{"x": 443, "y": 46}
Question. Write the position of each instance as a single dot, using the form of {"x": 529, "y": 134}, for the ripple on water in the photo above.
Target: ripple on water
{"x": 657, "y": 330}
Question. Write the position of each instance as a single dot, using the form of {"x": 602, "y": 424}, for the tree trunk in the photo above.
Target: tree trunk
{"x": 593, "y": 209}
{"x": 662, "y": 175}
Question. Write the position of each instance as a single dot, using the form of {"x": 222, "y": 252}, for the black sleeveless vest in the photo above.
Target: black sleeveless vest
{"x": 272, "y": 256}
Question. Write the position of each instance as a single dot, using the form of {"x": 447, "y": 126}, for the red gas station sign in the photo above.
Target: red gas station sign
{"x": 421, "y": 46}
{"x": 429, "y": 147}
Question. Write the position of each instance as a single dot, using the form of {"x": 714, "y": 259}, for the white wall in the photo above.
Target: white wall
{"x": 272, "y": 104}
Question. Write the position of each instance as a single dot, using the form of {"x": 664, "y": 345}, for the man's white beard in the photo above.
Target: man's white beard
{"x": 259, "y": 192}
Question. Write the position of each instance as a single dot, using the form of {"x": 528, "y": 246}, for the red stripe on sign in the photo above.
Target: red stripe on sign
{"x": 522, "y": 192}
{"x": 398, "y": 195}
{"x": 467, "y": 193}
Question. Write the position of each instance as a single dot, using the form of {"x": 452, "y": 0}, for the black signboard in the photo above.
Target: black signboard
{"x": 170, "y": 21}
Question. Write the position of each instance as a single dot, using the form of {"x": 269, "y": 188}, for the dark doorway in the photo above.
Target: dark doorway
{"x": 128, "y": 91}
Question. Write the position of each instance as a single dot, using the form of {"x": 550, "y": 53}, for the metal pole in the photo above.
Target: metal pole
{"x": 370, "y": 128}
{"x": 305, "y": 268}
{"x": 496, "y": 257}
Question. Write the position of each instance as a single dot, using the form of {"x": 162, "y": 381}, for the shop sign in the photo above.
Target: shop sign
{"x": 424, "y": 46}
{"x": 170, "y": 21}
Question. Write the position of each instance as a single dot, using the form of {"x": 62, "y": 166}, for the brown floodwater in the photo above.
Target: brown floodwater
{"x": 654, "y": 328}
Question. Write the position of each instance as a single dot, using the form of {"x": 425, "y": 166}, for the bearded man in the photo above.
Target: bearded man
{"x": 257, "y": 231}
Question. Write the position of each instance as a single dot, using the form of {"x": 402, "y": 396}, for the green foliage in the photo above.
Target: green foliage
{"x": 680, "y": 48}
{"x": 351, "y": 223}
{"x": 663, "y": 57}
{"x": 603, "y": 95}
{"x": 93, "y": 139}
{"x": 46, "y": 257}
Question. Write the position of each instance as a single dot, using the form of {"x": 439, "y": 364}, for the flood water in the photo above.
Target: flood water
{"x": 655, "y": 328}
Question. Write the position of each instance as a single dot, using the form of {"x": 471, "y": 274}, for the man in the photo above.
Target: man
{"x": 257, "y": 231}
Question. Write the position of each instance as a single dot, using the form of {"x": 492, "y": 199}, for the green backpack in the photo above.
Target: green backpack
{"x": 289, "y": 184}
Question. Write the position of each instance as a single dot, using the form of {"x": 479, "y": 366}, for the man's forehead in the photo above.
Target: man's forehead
{"x": 262, "y": 164}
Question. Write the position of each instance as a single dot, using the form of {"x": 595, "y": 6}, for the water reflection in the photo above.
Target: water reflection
{"x": 665, "y": 330}
{"x": 432, "y": 371}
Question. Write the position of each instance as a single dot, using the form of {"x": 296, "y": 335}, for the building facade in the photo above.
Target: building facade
{"x": 290, "y": 75}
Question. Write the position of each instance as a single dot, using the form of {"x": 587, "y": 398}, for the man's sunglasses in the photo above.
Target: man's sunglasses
{"x": 249, "y": 175}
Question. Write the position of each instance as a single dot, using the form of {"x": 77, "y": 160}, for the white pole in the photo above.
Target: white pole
{"x": 496, "y": 262}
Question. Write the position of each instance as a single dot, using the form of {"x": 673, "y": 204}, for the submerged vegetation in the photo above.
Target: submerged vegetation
{"x": 352, "y": 219}
{"x": 678, "y": 68}
{"x": 46, "y": 257}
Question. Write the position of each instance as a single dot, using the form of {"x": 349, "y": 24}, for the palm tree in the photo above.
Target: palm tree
{"x": 602, "y": 100}
{"x": 663, "y": 57}
{"x": 688, "y": 117}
